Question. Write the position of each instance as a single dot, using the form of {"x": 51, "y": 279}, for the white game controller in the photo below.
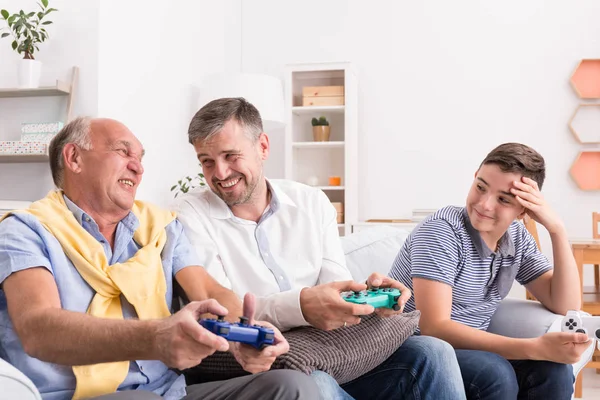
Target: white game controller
{"x": 576, "y": 322}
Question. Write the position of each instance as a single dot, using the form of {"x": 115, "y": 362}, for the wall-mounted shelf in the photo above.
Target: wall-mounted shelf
{"x": 318, "y": 145}
{"x": 586, "y": 79}
{"x": 330, "y": 187}
{"x": 23, "y": 158}
{"x": 585, "y": 123}
{"x": 585, "y": 171}
{"x": 317, "y": 109}
{"x": 61, "y": 89}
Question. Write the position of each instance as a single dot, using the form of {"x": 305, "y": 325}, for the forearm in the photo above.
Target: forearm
{"x": 281, "y": 309}
{"x": 70, "y": 338}
{"x": 565, "y": 287}
{"x": 229, "y": 300}
{"x": 464, "y": 337}
{"x": 199, "y": 286}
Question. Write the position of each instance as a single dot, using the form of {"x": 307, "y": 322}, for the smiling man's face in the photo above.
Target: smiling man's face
{"x": 232, "y": 163}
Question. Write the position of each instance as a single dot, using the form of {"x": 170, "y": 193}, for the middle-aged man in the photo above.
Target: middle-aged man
{"x": 279, "y": 240}
{"x": 87, "y": 282}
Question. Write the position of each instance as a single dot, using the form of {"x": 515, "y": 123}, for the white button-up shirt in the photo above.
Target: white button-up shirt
{"x": 294, "y": 245}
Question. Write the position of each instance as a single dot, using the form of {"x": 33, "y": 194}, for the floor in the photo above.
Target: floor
{"x": 591, "y": 385}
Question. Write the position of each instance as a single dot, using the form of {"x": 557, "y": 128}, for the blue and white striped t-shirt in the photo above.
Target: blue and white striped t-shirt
{"x": 445, "y": 247}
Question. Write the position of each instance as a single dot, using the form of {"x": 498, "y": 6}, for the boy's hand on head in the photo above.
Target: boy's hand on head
{"x": 528, "y": 194}
{"x": 378, "y": 280}
{"x": 323, "y": 307}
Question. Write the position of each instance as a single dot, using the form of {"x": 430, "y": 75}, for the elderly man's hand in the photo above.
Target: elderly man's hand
{"x": 181, "y": 342}
{"x": 250, "y": 358}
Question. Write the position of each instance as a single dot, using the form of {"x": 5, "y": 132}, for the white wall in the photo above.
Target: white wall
{"x": 442, "y": 83}
{"x": 74, "y": 19}
{"x": 147, "y": 74}
{"x": 140, "y": 73}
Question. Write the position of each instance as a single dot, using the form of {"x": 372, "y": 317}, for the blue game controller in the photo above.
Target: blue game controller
{"x": 254, "y": 335}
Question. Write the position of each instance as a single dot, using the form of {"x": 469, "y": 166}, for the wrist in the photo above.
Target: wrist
{"x": 152, "y": 328}
{"x": 556, "y": 229}
{"x": 531, "y": 349}
{"x": 302, "y": 298}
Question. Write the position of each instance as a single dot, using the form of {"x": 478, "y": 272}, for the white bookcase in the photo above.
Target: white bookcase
{"x": 305, "y": 158}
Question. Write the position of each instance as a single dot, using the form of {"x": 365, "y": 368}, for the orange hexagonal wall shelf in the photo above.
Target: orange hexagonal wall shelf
{"x": 586, "y": 170}
{"x": 586, "y": 79}
{"x": 585, "y": 123}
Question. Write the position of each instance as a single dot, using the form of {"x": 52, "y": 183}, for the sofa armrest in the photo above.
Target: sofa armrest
{"x": 15, "y": 385}
{"x": 528, "y": 319}
{"x": 522, "y": 319}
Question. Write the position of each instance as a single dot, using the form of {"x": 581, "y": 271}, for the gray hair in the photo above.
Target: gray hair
{"x": 213, "y": 116}
{"x": 77, "y": 132}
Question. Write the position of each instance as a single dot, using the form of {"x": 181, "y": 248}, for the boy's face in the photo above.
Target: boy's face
{"x": 490, "y": 204}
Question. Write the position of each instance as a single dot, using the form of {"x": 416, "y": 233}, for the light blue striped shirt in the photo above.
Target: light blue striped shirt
{"x": 25, "y": 243}
{"x": 446, "y": 248}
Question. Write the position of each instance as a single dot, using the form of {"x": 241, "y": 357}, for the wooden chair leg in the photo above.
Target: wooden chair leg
{"x": 597, "y": 276}
{"x": 579, "y": 385}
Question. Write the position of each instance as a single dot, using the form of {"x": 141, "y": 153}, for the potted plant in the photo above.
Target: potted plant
{"x": 320, "y": 129}
{"x": 185, "y": 184}
{"x": 28, "y": 31}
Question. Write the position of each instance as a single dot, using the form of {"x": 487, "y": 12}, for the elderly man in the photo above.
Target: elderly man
{"x": 87, "y": 281}
{"x": 279, "y": 240}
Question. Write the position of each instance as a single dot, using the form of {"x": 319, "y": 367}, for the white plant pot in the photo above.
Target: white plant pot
{"x": 29, "y": 73}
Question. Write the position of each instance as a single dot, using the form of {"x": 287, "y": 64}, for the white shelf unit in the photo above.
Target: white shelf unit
{"x": 60, "y": 89}
{"x": 305, "y": 158}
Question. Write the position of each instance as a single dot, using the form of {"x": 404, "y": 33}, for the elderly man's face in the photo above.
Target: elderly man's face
{"x": 112, "y": 170}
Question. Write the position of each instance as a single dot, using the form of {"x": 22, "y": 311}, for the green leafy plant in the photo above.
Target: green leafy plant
{"x": 320, "y": 121}
{"x": 27, "y": 29}
{"x": 185, "y": 184}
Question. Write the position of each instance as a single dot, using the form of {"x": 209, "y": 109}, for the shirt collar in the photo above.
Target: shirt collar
{"x": 218, "y": 209}
{"x": 506, "y": 246}
{"x": 130, "y": 221}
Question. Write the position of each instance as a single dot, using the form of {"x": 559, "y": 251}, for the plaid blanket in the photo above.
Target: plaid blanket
{"x": 345, "y": 353}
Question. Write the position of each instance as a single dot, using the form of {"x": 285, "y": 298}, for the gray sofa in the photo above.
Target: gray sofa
{"x": 367, "y": 251}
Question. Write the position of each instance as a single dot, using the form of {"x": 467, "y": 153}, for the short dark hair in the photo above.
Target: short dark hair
{"x": 519, "y": 158}
{"x": 211, "y": 118}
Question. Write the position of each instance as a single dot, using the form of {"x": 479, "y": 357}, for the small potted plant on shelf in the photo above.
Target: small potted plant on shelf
{"x": 28, "y": 31}
{"x": 321, "y": 129}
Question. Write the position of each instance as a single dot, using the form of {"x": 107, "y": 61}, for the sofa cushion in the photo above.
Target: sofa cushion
{"x": 372, "y": 250}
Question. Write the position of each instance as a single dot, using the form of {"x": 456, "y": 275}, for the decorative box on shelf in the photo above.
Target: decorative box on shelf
{"x": 323, "y": 96}
{"x": 339, "y": 207}
{"x": 40, "y": 132}
{"x": 14, "y": 147}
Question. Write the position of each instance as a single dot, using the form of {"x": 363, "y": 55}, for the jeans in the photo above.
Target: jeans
{"x": 422, "y": 368}
{"x": 490, "y": 376}
{"x": 328, "y": 387}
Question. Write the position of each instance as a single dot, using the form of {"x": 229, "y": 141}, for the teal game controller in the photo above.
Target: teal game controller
{"x": 376, "y": 297}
